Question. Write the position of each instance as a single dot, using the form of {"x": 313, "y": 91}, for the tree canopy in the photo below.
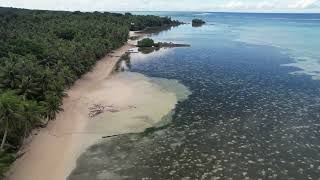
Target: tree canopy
{"x": 146, "y": 42}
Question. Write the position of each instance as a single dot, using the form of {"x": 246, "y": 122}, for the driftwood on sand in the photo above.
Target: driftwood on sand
{"x": 97, "y": 109}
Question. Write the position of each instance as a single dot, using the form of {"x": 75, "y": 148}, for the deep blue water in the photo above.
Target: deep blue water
{"x": 250, "y": 115}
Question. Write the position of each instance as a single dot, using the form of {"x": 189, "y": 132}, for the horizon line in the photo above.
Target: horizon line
{"x": 191, "y": 11}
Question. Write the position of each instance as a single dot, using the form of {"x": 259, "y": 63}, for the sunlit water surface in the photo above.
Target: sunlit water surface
{"x": 254, "y": 111}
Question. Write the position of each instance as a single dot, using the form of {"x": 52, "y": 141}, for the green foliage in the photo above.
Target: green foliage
{"x": 44, "y": 52}
{"x": 18, "y": 117}
{"x": 146, "y": 42}
{"x": 66, "y": 33}
{"x": 5, "y": 160}
{"x": 52, "y": 104}
{"x": 11, "y": 115}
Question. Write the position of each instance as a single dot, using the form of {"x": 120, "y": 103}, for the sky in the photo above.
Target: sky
{"x": 169, "y": 5}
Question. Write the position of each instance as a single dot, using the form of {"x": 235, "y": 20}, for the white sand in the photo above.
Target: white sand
{"x": 142, "y": 102}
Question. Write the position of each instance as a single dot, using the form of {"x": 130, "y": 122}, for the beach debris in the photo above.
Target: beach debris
{"x": 97, "y": 109}
{"x": 116, "y": 135}
{"x": 132, "y": 107}
{"x": 133, "y": 50}
{"x": 104, "y": 137}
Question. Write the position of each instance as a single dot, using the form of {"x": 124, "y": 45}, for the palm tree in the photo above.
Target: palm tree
{"x": 52, "y": 105}
{"x": 10, "y": 114}
{"x": 27, "y": 88}
{"x": 5, "y": 160}
{"x": 8, "y": 74}
{"x": 65, "y": 73}
{"x": 32, "y": 115}
{"x": 44, "y": 80}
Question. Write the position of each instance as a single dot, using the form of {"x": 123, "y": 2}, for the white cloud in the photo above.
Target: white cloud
{"x": 265, "y": 5}
{"x": 234, "y": 5}
{"x": 302, "y": 4}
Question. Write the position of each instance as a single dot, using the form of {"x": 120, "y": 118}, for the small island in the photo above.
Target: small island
{"x": 197, "y": 22}
{"x": 148, "y": 45}
{"x": 147, "y": 42}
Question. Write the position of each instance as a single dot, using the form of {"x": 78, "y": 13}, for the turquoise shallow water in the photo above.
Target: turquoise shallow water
{"x": 254, "y": 111}
{"x": 295, "y": 34}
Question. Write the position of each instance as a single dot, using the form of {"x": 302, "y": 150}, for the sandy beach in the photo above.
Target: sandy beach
{"x": 52, "y": 153}
{"x": 139, "y": 102}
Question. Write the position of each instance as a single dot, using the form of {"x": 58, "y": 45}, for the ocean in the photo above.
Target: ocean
{"x": 254, "y": 108}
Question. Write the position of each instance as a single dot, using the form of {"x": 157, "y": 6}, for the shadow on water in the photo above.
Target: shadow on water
{"x": 148, "y": 50}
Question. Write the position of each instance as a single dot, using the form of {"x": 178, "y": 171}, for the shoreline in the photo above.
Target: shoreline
{"x": 52, "y": 152}
{"x": 136, "y": 102}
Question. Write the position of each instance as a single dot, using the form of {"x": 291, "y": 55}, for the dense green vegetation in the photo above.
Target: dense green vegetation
{"x": 146, "y": 42}
{"x": 198, "y": 22}
{"x": 5, "y": 160}
{"x": 44, "y": 52}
